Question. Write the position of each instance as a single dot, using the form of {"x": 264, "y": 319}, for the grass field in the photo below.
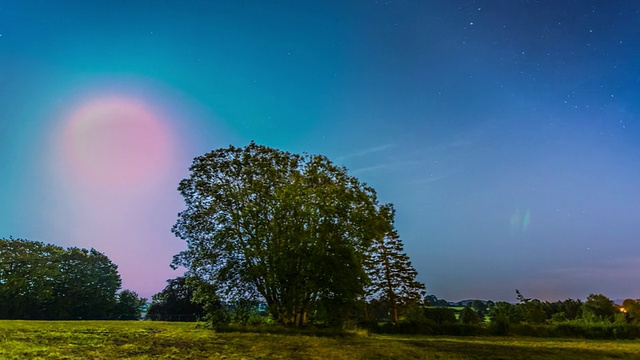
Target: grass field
{"x": 160, "y": 340}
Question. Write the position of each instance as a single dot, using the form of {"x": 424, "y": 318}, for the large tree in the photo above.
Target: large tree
{"x": 292, "y": 229}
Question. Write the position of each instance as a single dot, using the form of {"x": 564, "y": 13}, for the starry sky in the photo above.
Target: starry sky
{"x": 505, "y": 132}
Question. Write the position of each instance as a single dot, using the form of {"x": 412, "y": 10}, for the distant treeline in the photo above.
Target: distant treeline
{"x": 596, "y": 318}
{"x": 44, "y": 281}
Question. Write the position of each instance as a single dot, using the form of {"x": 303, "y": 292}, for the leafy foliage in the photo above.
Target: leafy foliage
{"x": 602, "y": 308}
{"x": 291, "y": 229}
{"x": 631, "y": 309}
{"x": 530, "y": 310}
{"x": 129, "y": 306}
{"x": 432, "y": 300}
{"x": 440, "y": 315}
{"x": 469, "y": 316}
{"x": 43, "y": 281}
{"x": 175, "y": 303}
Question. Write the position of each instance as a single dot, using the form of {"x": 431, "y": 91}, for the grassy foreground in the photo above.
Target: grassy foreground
{"x": 153, "y": 340}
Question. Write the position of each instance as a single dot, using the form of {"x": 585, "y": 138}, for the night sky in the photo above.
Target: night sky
{"x": 506, "y": 133}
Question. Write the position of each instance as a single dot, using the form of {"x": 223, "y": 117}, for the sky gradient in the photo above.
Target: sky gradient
{"x": 505, "y": 132}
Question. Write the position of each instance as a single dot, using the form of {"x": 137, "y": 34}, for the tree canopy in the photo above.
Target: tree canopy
{"x": 129, "y": 306}
{"x": 44, "y": 281}
{"x": 292, "y": 229}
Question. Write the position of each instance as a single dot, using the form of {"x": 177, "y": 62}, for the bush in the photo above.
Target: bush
{"x": 500, "y": 326}
{"x": 460, "y": 330}
{"x": 423, "y": 327}
{"x": 534, "y": 330}
{"x": 596, "y": 331}
{"x": 469, "y": 316}
{"x": 440, "y": 315}
{"x": 427, "y": 327}
{"x": 569, "y": 329}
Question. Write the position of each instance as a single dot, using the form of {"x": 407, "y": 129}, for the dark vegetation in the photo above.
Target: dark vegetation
{"x": 174, "y": 303}
{"x": 279, "y": 243}
{"x": 294, "y": 231}
{"x": 43, "y": 281}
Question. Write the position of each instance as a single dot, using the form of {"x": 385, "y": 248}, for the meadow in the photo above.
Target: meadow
{"x": 163, "y": 340}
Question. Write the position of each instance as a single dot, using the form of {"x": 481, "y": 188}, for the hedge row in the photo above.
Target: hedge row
{"x": 563, "y": 330}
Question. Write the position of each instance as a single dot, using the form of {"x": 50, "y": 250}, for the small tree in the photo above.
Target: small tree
{"x": 502, "y": 315}
{"x": 469, "y": 316}
{"x": 480, "y": 307}
{"x": 175, "y": 302}
{"x": 530, "y": 310}
{"x": 129, "y": 306}
{"x": 599, "y": 306}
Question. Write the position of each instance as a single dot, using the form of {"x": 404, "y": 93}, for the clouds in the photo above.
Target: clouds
{"x": 365, "y": 152}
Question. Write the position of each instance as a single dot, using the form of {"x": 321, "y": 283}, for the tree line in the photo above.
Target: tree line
{"x": 44, "y": 281}
{"x": 596, "y": 317}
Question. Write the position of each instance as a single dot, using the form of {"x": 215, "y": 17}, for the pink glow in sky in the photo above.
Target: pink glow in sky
{"x": 116, "y": 141}
{"x": 117, "y": 163}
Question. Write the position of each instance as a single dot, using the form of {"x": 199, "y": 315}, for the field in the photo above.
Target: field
{"x": 161, "y": 340}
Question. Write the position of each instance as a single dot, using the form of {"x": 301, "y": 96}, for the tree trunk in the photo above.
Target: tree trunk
{"x": 366, "y": 312}
{"x": 394, "y": 313}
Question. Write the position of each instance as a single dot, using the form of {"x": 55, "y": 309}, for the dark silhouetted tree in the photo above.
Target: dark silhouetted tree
{"x": 392, "y": 277}
{"x": 599, "y": 306}
{"x": 291, "y": 229}
{"x": 469, "y": 316}
{"x": 43, "y": 281}
{"x": 175, "y": 303}
{"x": 530, "y": 310}
{"x": 440, "y": 315}
{"x": 631, "y": 310}
{"x": 432, "y": 300}
{"x": 480, "y": 307}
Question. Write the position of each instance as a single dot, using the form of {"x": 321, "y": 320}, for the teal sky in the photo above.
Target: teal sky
{"x": 505, "y": 132}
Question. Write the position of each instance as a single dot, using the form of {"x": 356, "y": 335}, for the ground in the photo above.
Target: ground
{"x": 161, "y": 340}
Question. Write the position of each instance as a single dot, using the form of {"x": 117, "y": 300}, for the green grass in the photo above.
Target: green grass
{"x": 160, "y": 340}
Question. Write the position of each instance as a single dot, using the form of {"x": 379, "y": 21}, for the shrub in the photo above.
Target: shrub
{"x": 500, "y": 326}
{"x": 440, "y": 315}
{"x": 469, "y": 316}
